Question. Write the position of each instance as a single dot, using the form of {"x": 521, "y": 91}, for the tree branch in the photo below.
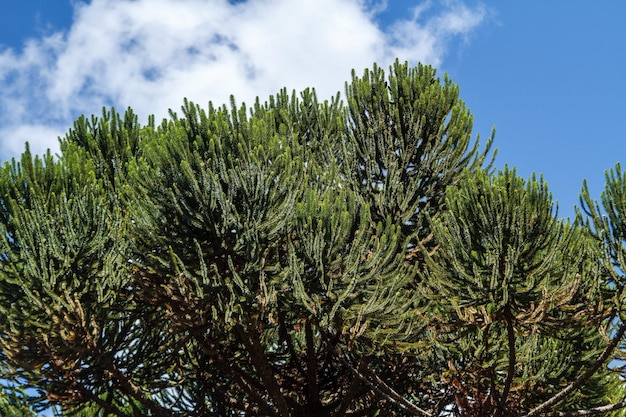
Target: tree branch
{"x": 584, "y": 377}
{"x": 596, "y": 410}
{"x": 129, "y": 387}
{"x": 240, "y": 378}
{"x": 353, "y": 391}
{"x": 284, "y": 335}
{"x": 123, "y": 381}
{"x": 311, "y": 364}
{"x": 105, "y": 405}
{"x": 386, "y": 391}
{"x": 512, "y": 357}
{"x": 252, "y": 343}
{"x": 226, "y": 366}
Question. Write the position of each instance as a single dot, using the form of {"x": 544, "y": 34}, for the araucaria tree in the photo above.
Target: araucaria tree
{"x": 305, "y": 258}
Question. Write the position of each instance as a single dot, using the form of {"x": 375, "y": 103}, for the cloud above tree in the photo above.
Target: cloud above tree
{"x": 150, "y": 54}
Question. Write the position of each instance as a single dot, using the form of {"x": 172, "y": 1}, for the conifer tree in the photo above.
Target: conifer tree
{"x": 518, "y": 300}
{"x": 298, "y": 258}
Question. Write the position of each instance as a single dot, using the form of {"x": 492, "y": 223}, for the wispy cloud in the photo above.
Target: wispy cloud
{"x": 424, "y": 36}
{"x": 150, "y": 54}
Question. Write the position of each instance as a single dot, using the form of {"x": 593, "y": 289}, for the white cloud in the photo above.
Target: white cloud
{"x": 424, "y": 39}
{"x": 150, "y": 54}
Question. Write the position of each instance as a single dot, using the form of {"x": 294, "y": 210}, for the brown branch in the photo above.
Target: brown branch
{"x": 512, "y": 357}
{"x": 240, "y": 378}
{"x": 311, "y": 364}
{"x": 119, "y": 378}
{"x": 597, "y": 410}
{"x": 584, "y": 377}
{"x": 443, "y": 402}
{"x": 127, "y": 386}
{"x": 353, "y": 391}
{"x": 110, "y": 409}
{"x": 284, "y": 335}
{"x": 385, "y": 390}
{"x": 252, "y": 343}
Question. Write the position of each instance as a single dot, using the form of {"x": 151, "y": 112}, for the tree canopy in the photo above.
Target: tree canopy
{"x": 298, "y": 257}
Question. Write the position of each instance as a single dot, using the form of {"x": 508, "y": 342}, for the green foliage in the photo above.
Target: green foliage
{"x": 518, "y": 300}
{"x": 303, "y": 258}
{"x": 606, "y": 221}
{"x": 13, "y": 403}
{"x": 409, "y": 138}
{"x": 609, "y": 227}
{"x": 503, "y": 245}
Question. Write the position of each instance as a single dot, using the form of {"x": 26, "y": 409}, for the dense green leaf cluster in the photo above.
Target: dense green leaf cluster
{"x": 304, "y": 258}
{"x": 516, "y": 289}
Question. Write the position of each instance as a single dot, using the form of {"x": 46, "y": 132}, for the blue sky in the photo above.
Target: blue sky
{"x": 548, "y": 75}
